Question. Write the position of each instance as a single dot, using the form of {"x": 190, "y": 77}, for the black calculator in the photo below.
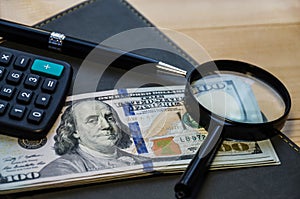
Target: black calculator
{"x": 33, "y": 90}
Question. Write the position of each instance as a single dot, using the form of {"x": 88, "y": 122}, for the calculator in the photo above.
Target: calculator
{"x": 33, "y": 90}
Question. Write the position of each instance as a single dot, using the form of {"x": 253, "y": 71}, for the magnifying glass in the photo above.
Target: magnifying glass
{"x": 231, "y": 100}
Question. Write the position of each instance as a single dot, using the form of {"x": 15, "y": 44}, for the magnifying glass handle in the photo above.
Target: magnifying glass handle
{"x": 198, "y": 167}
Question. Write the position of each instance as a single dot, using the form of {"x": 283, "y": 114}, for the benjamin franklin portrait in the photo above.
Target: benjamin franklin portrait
{"x": 90, "y": 137}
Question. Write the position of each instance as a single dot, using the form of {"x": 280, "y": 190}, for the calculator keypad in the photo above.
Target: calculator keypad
{"x": 32, "y": 92}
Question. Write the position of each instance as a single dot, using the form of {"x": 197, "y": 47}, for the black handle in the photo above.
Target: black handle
{"x": 198, "y": 167}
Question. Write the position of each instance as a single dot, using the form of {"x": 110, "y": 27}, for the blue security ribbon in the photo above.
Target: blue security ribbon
{"x": 136, "y": 132}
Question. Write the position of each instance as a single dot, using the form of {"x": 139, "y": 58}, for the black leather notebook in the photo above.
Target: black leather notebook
{"x": 97, "y": 21}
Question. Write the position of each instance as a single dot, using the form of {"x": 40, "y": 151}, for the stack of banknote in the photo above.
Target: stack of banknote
{"x": 140, "y": 132}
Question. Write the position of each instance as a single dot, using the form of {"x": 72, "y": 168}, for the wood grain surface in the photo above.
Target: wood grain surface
{"x": 265, "y": 33}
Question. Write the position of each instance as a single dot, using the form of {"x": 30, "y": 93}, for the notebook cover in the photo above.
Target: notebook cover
{"x": 98, "y": 20}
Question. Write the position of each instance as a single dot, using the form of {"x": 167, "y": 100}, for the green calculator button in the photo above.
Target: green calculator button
{"x": 46, "y": 67}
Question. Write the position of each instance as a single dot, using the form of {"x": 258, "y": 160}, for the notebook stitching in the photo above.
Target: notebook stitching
{"x": 292, "y": 145}
{"x": 68, "y": 11}
{"x": 165, "y": 38}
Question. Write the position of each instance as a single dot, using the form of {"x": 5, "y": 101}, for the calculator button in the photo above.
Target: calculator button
{"x": 35, "y": 116}
{"x": 32, "y": 81}
{"x": 2, "y": 72}
{"x": 14, "y": 77}
{"x": 47, "y": 68}
{"x": 7, "y": 92}
{"x": 21, "y": 62}
{"x": 25, "y": 96}
{"x": 43, "y": 100}
{"x": 17, "y": 112}
{"x": 49, "y": 85}
{"x": 3, "y": 107}
{"x": 5, "y": 57}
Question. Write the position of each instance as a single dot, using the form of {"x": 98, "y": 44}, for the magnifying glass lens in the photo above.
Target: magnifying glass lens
{"x": 238, "y": 97}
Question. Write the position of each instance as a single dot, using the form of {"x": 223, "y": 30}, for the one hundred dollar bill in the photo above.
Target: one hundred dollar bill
{"x": 117, "y": 134}
{"x": 228, "y": 96}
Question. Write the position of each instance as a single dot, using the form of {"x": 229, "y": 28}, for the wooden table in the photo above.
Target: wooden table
{"x": 265, "y": 33}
